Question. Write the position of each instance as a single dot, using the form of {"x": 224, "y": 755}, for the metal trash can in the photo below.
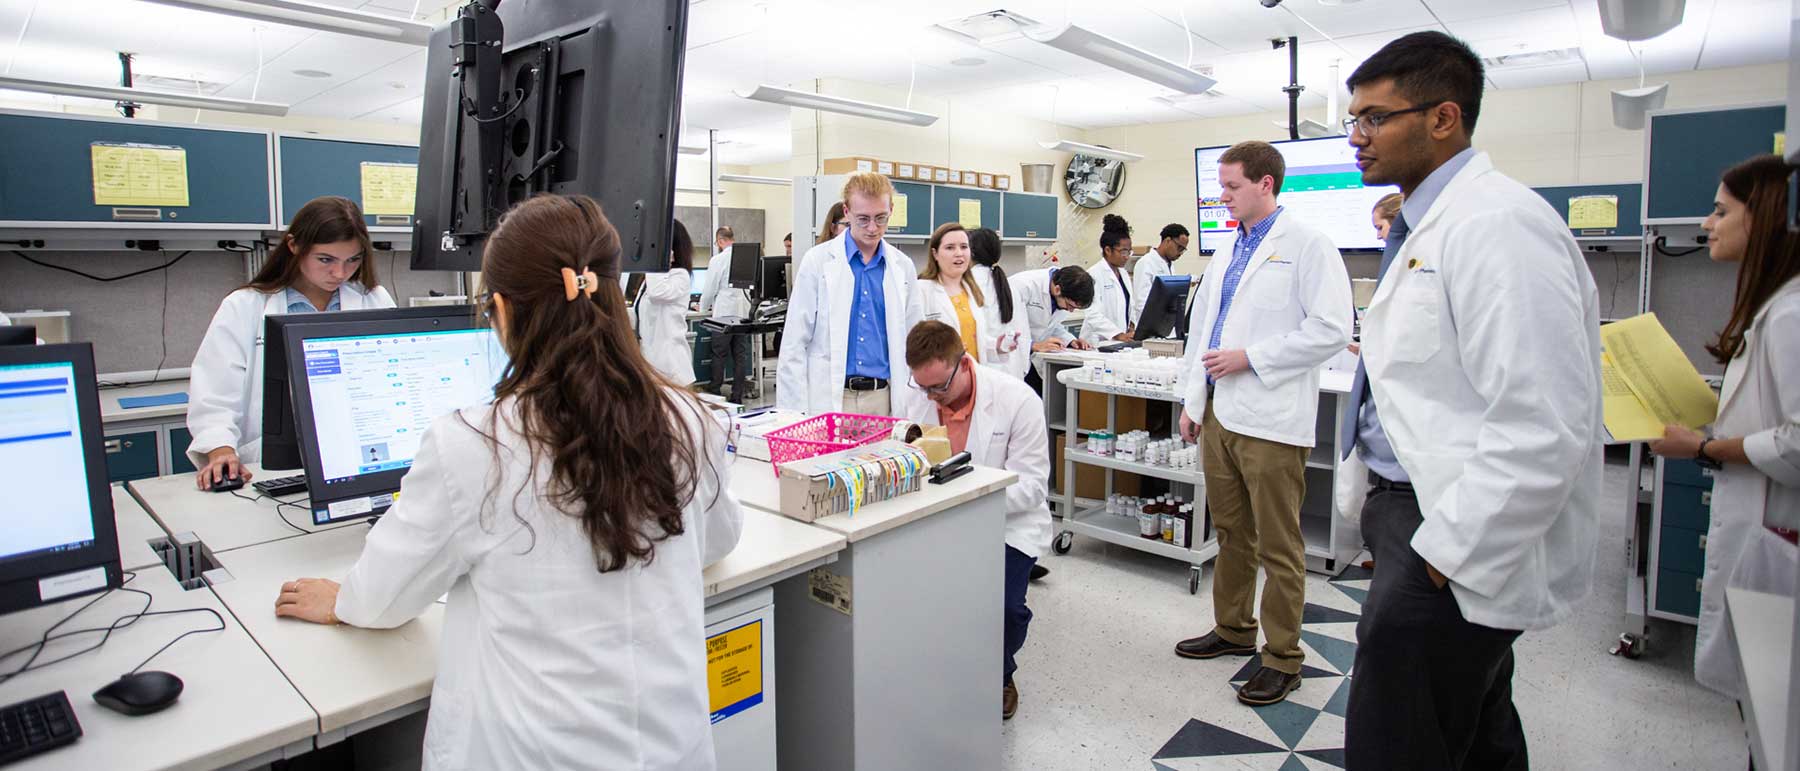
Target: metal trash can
{"x": 1035, "y": 177}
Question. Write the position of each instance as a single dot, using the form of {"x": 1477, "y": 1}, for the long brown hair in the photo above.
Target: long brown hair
{"x": 1771, "y": 256}
{"x": 620, "y": 458}
{"x": 831, "y": 218}
{"x": 323, "y": 220}
{"x": 932, "y": 270}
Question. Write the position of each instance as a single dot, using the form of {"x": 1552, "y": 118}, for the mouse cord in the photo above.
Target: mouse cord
{"x": 178, "y": 638}
{"x": 50, "y": 635}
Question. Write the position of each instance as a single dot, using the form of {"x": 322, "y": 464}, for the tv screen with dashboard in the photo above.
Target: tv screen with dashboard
{"x": 1322, "y": 186}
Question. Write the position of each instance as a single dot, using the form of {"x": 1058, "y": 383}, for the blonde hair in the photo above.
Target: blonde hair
{"x": 931, "y": 271}
{"x": 1389, "y": 206}
{"x": 870, "y": 184}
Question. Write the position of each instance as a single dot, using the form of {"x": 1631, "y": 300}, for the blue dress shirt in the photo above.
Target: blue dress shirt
{"x": 868, "y": 350}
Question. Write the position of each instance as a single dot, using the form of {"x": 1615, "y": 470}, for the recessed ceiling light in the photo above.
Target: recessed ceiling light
{"x": 969, "y": 61}
{"x": 312, "y": 73}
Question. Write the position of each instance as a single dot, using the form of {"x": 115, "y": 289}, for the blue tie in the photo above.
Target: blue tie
{"x": 1358, "y": 388}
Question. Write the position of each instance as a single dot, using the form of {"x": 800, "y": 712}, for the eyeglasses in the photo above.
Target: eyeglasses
{"x": 865, "y": 222}
{"x": 841, "y": 224}
{"x": 1368, "y": 124}
{"x": 941, "y": 388}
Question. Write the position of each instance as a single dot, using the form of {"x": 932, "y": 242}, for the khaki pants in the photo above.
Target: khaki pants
{"x": 868, "y": 402}
{"x": 1254, "y": 488}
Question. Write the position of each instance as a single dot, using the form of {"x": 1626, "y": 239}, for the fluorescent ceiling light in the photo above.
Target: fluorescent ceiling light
{"x": 1122, "y": 57}
{"x": 1092, "y": 151}
{"x": 1309, "y": 128}
{"x": 690, "y": 150}
{"x": 120, "y": 94}
{"x": 751, "y": 179}
{"x": 700, "y": 190}
{"x": 837, "y": 104}
{"x": 326, "y": 18}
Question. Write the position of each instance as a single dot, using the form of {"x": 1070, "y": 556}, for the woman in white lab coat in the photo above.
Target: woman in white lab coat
{"x": 984, "y": 249}
{"x": 569, "y": 521}
{"x": 1755, "y": 443}
{"x": 321, "y": 263}
{"x": 1107, "y": 321}
{"x": 661, "y": 314}
{"x": 948, "y": 291}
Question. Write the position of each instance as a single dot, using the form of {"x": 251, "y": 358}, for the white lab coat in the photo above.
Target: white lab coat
{"x": 1007, "y": 430}
{"x": 724, "y": 301}
{"x": 1483, "y": 352}
{"x": 815, "y": 341}
{"x": 1760, "y": 402}
{"x": 1143, "y": 276}
{"x": 1031, "y": 301}
{"x": 1107, "y": 316}
{"x": 662, "y": 324}
{"x": 225, "y": 397}
{"x": 1290, "y": 314}
{"x": 1016, "y": 331}
{"x": 544, "y": 661}
{"x": 931, "y": 303}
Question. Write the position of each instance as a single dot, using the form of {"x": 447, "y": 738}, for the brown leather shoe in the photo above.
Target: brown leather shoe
{"x": 1009, "y": 701}
{"x": 1211, "y": 646}
{"x": 1268, "y": 686}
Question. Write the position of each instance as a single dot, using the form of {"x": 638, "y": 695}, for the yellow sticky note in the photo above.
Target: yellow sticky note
{"x": 734, "y": 674}
{"x": 1656, "y": 370}
{"x": 1593, "y": 212}
{"x": 1626, "y": 417}
{"x": 968, "y": 212}
{"x": 1781, "y": 143}
{"x": 139, "y": 175}
{"x": 898, "y": 218}
{"x": 389, "y": 188}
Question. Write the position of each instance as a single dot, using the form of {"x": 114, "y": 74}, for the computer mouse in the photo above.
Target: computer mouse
{"x": 226, "y": 484}
{"x": 140, "y": 693}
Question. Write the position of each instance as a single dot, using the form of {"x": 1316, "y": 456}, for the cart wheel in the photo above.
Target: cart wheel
{"x": 1194, "y": 580}
{"x": 1064, "y": 541}
{"x": 1630, "y": 646}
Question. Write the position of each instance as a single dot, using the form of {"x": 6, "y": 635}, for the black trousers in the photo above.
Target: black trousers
{"x": 1430, "y": 690}
{"x": 736, "y": 349}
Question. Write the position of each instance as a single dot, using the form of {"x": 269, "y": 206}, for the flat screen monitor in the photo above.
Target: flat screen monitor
{"x": 745, "y": 259}
{"x": 57, "y": 535}
{"x": 18, "y": 335}
{"x": 1164, "y": 311}
{"x": 697, "y": 281}
{"x": 280, "y": 442}
{"x": 774, "y": 278}
{"x": 1322, "y": 187}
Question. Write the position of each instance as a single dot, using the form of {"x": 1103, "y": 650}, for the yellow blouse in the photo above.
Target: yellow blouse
{"x": 965, "y": 322}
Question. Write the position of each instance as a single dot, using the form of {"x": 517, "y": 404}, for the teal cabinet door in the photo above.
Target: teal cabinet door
{"x": 179, "y": 439}
{"x": 948, "y": 202}
{"x": 131, "y": 456}
{"x": 914, "y": 199}
{"x": 1029, "y": 216}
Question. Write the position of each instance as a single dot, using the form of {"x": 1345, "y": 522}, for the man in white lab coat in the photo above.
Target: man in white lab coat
{"x": 727, "y": 304}
{"x": 1159, "y": 262}
{"x": 1000, "y": 422}
{"x": 1272, "y": 307}
{"x": 845, "y": 335}
{"x": 1047, "y": 295}
{"x": 1477, "y": 408}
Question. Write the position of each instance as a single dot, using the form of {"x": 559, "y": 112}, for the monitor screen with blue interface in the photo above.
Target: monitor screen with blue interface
{"x": 42, "y": 467}
{"x": 370, "y": 400}
{"x": 1322, "y": 187}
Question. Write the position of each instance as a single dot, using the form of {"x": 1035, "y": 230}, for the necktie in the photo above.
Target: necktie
{"x": 1359, "y": 389}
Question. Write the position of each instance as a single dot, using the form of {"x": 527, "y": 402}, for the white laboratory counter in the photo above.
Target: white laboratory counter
{"x": 224, "y": 521}
{"x": 111, "y": 411}
{"x": 136, "y": 530}
{"x": 1763, "y": 627}
{"x": 235, "y": 711}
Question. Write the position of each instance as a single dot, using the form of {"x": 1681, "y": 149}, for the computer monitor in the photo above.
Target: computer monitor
{"x": 57, "y": 536}
{"x": 1164, "y": 310}
{"x": 774, "y": 278}
{"x": 745, "y": 257}
{"x": 697, "y": 281}
{"x": 280, "y": 443}
{"x": 369, "y": 392}
{"x": 18, "y": 335}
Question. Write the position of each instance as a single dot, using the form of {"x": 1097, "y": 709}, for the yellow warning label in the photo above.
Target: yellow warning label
{"x": 734, "y": 670}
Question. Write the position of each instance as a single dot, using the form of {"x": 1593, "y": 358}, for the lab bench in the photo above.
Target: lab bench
{"x": 148, "y": 441}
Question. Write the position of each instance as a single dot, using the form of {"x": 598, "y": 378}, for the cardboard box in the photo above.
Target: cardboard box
{"x": 940, "y": 175}
{"x": 925, "y": 172}
{"x": 987, "y": 180}
{"x": 970, "y": 178}
{"x": 851, "y": 165}
{"x": 1002, "y": 181}
{"x": 884, "y": 168}
{"x": 906, "y": 171}
{"x": 955, "y": 176}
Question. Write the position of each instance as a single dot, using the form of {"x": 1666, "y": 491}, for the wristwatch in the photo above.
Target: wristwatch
{"x": 1706, "y": 461}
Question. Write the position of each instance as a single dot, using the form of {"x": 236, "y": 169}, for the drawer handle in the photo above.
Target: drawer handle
{"x": 1706, "y": 498}
{"x": 1696, "y": 586}
{"x": 1702, "y": 542}
{"x": 114, "y": 446}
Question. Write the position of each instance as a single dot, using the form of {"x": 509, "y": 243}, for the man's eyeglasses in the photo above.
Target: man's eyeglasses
{"x": 865, "y": 222}
{"x": 1368, "y": 124}
{"x": 941, "y": 388}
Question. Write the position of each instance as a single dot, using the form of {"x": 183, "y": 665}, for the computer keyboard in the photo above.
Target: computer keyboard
{"x": 36, "y": 725}
{"x": 279, "y": 486}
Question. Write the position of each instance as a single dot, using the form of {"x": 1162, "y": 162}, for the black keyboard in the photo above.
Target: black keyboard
{"x": 36, "y": 725}
{"x": 279, "y": 486}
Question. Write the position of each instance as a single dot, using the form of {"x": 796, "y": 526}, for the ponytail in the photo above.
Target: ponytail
{"x": 984, "y": 248}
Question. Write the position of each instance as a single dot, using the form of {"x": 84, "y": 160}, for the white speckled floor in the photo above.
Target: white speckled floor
{"x": 1100, "y": 686}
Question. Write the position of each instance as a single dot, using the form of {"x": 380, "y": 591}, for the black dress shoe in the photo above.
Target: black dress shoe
{"x": 1211, "y": 646}
{"x": 1268, "y": 686}
{"x": 1039, "y": 571}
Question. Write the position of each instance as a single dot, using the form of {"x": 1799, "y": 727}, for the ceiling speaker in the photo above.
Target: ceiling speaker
{"x": 1639, "y": 19}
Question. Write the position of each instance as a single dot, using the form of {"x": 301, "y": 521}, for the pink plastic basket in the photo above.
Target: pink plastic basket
{"x": 827, "y": 433}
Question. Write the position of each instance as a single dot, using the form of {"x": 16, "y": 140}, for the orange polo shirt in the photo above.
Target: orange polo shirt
{"x": 956, "y": 422}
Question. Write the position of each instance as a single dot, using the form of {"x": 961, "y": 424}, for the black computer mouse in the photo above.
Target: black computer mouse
{"x": 226, "y": 484}
{"x": 140, "y": 693}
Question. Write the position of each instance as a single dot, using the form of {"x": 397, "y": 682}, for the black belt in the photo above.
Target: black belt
{"x": 860, "y": 383}
{"x": 1379, "y": 482}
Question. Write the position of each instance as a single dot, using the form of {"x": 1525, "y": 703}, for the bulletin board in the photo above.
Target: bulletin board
{"x": 1591, "y": 204}
{"x": 381, "y": 178}
{"x": 1685, "y": 151}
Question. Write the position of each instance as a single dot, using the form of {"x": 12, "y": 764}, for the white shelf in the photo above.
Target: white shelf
{"x": 1079, "y": 454}
{"x": 1057, "y": 425}
{"x": 1082, "y": 384}
{"x": 1316, "y": 532}
{"x": 1320, "y": 457}
{"x": 1123, "y": 531}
